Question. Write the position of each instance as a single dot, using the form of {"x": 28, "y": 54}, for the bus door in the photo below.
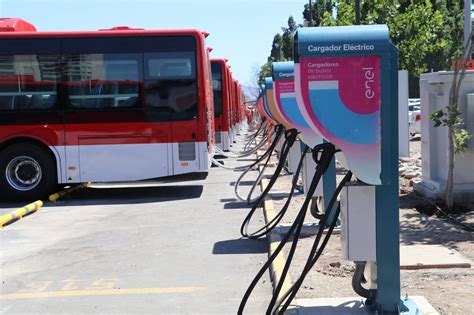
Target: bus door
{"x": 110, "y": 133}
{"x": 171, "y": 81}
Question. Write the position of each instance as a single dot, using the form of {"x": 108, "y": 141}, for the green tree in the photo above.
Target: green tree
{"x": 427, "y": 33}
{"x": 451, "y": 33}
{"x": 415, "y": 33}
{"x": 265, "y": 71}
{"x": 318, "y": 10}
{"x": 292, "y": 24}
{"x": 451, "y": 117}
{"x": 282, "y": 49}
{"x": 287, "y": 40}
{"x": 378, "y": 11}
{"x": 275, "y": 53}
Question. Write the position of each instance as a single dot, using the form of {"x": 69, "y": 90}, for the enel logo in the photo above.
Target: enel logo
{"x": 369, "y": 80}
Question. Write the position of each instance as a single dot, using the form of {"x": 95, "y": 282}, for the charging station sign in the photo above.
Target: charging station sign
{"x": 285, "y": 96}
{"x": 285, "y": 99}
{"x": 272, "y": 106}
{"x": 343, "y": 96}
{"x": 342, "y": 99}
{"x": 338, "y": 87}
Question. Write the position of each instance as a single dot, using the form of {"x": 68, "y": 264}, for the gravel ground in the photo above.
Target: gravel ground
{"x": 450, "y": 291}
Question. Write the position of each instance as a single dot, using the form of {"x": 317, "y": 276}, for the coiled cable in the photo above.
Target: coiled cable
{"x": 267, "y": 155}
{"x": 290, "y": 136}
{"x": 327, "y": 151}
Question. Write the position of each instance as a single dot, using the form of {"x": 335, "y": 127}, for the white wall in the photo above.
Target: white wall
{"x": 434, "y": 94}
{"x": 403, "y": 126}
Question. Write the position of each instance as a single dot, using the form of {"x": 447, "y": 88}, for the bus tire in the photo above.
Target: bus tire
{"x": 27, "y": 172}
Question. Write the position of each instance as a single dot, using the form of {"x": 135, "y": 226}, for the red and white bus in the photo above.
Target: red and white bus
{"x": 221, "y": 79}
{"x": 237, "y": 106}
{"x": 120, "y": 104}
{"x": 233, "y": 108}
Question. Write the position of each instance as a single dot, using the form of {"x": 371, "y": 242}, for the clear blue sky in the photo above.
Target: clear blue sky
{"x": 241, "y": 31}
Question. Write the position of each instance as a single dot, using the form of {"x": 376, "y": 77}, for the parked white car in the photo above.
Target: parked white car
{"x": 414, "y": 116}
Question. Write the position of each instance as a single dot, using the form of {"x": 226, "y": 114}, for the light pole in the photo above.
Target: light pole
{"x": 310, "y": 22}
{"x": 467, "y": 20}
{"x": 357, "y": 12}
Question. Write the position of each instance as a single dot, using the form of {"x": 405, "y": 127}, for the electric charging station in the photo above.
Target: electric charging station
{"x": 265, "y": 107}
{"x": 346, "y": 87}
{"x": 285, "y": 99}
{"x": 266, "y": 111}
{"x": 284, "y": 93}
{"x": 295, "y": 152}
{"x": 272, "y": 107}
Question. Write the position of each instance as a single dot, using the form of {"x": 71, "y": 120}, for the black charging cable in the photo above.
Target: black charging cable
{"x": 322, "y": 154}
{"x": 267, "y": 155}
{"x": 323, "y": 158}
{"x": 264, "y": 230}
{"x": 290, "y": 138}
{"x": 314, "y": 254}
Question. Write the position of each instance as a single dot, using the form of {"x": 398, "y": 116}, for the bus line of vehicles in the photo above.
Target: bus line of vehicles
{"x": 119, "y": 104}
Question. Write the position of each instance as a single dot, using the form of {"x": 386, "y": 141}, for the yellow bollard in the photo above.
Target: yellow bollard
{"x": 9, "y": 218}
{"x": 62, "y": 193}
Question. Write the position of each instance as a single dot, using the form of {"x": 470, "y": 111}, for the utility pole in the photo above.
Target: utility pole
{"x": 310, "y": 22}
{"x": 357, "y": 12}
{"x": 467, "y": 20}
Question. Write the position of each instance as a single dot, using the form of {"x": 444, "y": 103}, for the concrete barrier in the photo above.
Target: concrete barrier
{"x": 18, "y": 214}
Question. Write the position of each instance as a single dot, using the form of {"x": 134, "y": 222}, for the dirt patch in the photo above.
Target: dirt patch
{"x": 450, "y": 291}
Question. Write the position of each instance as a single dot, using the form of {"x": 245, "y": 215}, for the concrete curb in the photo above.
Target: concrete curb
{"x": 64, "y": 192}
{"x": 274, "y": 238}
{"x": 19, "y": 213}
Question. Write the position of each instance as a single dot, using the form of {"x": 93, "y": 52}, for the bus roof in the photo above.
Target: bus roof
{"x": 15, "y": 25}
{"x": 101, "y": 33}
{"x": 18, "y": 28}
{"x": 219, "y": 60}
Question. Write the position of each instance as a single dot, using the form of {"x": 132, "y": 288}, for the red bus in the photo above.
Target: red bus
{"x": 233, "y": 108}
{"x": 120, "y": 104}
{"x": 221, "y": 79}
{"x": 237, "y": 116}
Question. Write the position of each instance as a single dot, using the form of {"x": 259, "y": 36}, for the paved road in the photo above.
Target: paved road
{"x": 167, "y": 249}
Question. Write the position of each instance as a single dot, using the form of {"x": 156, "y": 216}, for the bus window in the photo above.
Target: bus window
{"x": 171, "y": 84}
{"x": 28, "y": 82}
{"x": 217, "y": 88}
{"x": 101, "y": 81}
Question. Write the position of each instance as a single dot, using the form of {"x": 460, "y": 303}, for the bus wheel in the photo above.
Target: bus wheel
{"x": 27, "y": 172}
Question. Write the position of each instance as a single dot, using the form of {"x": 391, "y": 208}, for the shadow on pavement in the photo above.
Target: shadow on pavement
{"x": 246, "y": 160}
{"x": 237, "y": 205}
{"x": 155, "y": 189}
{"x": 349, "y": 307}
{"x": 228, "y": 199}
{"x": 240, "y": 246}
{"x": 121, "y": 195}
{"x": 243, "y": 183}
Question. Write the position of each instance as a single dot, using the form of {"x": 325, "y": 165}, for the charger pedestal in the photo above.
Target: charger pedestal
{"x": 294, "y": 157}
{"x": 346, "y": 80}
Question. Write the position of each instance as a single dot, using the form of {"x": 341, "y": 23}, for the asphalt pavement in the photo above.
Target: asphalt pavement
{"x": 134, "y": 248}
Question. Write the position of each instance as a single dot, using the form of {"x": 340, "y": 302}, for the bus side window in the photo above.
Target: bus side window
{"x": 171, "y": 84}
{"x": 103, "y": 81}
{"x": 28, "y": 82}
